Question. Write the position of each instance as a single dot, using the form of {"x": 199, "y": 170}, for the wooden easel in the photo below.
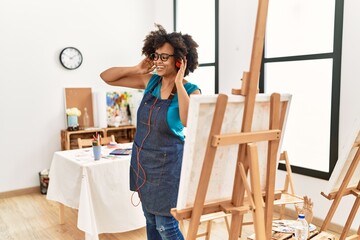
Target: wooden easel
{"x": 249, "y": 163}
{"x": 247, "y": 153}
{"x": 345, "y": 190}
{"x": 288, "y": 195}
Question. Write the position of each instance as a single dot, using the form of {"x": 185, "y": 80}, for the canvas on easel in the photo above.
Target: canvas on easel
{"x": 347, "y": 153}
{"x": 345, "y": 181}
{"x": 221, "y": 183}
{"x": 215, "y": 174}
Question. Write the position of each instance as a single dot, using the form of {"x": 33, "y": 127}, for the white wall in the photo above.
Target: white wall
{"x": 33, "y": 33}
{"x": 111, "y": 33}
{"x": 236, "y": 28}
{"x": 237, "y": 19}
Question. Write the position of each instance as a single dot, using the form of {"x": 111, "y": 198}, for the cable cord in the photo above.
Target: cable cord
{"x": 139, "y": 167}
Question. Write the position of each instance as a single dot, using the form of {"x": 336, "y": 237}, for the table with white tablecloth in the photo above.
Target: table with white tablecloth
{"x": 98, "y": 189}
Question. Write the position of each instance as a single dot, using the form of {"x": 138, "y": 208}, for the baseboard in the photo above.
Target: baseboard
{"x": 291, "y": 213}
{"x": 20, "y": 192}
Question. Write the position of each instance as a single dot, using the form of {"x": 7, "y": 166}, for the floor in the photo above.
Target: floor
{"x": 32, "y": 217}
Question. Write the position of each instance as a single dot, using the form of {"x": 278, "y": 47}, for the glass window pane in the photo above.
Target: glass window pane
{"x": 204, "y": 77}
{"x": 299, "y": 27}
{"x": 306, "y": 126}
{"x": 200, "y": 26}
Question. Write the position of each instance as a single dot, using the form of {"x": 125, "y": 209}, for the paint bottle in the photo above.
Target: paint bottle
{"x": 86, "y": 119}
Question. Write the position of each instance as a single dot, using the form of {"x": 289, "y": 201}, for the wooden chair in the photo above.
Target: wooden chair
{"x": 87, "y": 142}
{"x": 107, "y": 140}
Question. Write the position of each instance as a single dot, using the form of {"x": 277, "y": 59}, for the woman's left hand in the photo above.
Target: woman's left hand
{"x": 180, "y": 74}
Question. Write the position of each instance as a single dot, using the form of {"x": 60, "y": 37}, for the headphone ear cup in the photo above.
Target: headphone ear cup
{"x": 178, "y": 64}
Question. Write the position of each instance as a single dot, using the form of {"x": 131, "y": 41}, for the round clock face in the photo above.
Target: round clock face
{"x": 71, "y": 58}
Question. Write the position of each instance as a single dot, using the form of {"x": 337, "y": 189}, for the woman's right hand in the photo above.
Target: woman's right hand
{"x": 146, "y": 66}
{"x": 136, "y": 76}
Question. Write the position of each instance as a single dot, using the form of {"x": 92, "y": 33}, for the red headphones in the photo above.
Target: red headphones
{"x": 178, "y": 63}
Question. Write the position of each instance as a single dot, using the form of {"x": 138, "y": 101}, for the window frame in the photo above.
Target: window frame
{"x": 335, "y": 94}
{"x": 214, "y": 64}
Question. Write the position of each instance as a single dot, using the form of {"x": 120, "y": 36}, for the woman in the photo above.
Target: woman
{"x": 158, "y": 145}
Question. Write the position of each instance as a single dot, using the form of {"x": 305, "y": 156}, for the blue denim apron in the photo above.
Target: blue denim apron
{"x": 156, "y": 157}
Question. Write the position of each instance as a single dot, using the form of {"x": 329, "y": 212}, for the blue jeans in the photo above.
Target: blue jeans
{"x": 162, "y": 227}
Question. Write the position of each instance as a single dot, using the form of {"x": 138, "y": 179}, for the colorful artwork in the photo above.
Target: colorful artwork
{"x": 117, "y": 109}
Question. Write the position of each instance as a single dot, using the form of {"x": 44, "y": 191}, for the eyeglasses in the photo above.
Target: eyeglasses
{"x": 163, "y": 56}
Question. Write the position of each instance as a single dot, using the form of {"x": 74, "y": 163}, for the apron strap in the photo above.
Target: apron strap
{"x": 173, "y": 91}
{"x": 152, "y": 89}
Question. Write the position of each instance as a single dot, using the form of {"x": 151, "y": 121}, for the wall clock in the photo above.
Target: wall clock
{"x": 70, "y": 58}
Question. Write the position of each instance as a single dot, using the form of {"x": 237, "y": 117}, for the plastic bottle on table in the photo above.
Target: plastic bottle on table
{"x": 301, "y": 228}
{"x": 86, "y": 119}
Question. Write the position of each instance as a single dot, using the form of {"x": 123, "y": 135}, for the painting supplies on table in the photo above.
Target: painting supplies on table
{"x": 121, "y": 151}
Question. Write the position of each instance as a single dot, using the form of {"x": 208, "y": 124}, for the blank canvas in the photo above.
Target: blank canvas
{"x": 201, "y": 111}
{"x": 346, "y": 156}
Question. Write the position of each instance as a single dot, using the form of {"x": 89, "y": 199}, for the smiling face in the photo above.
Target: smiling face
{"x": 165, "y": 68}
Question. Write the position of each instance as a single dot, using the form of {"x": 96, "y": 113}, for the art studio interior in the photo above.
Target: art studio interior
{"x": 276, "y": 126}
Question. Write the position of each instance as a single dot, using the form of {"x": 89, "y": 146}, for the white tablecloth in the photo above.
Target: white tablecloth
{"x": 98, "y": 189}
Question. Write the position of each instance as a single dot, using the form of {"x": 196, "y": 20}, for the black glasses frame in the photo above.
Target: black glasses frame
{"x": 163, "y": 56}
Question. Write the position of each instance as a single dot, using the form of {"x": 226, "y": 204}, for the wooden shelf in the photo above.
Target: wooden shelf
{"x": 122, "y": 134}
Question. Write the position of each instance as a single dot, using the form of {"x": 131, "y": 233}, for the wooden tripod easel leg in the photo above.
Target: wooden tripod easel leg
{"x": 351, "y": 217}
{"x": 289, "y": 183}
{"x": 252, "y": 78}
{"x": 238, "y": 195}
{"x": 206, "y": 168}
{"x": 276, "y": 122}
{"x": 254, "y": 193}
{"x": 273, "y": 147}
{"x": 258, "y": 213}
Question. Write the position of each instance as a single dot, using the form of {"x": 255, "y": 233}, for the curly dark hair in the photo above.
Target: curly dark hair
{"x": 183, "y": 44}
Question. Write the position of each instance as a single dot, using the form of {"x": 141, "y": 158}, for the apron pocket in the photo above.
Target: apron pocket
{"x": 153, "y": 162}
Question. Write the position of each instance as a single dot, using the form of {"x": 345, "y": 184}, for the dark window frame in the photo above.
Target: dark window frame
{"x": 214, "y": 64}
{"x": 335, "y": 95}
